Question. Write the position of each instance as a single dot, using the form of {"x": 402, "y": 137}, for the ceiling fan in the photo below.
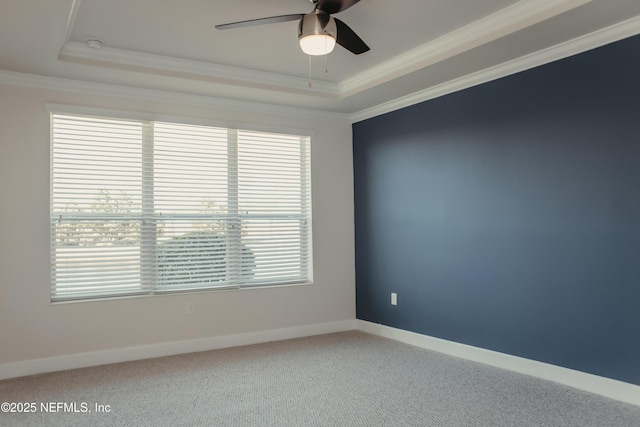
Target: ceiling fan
{"x": 318, "y": 31}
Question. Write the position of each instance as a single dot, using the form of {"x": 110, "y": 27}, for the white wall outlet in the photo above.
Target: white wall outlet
{"x": 191, "y": 307}
{"x": 394, "y": 298}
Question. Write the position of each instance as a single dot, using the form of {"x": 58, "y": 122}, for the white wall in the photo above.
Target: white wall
{"x": 31, "y": 327}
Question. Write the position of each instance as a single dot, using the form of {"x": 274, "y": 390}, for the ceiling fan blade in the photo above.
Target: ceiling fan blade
{"x": 348, "y": 39}
{"x": 335, "y": 6}
{"x": 260, "y": 21}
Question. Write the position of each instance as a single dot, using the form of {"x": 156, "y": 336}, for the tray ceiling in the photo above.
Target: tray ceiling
{"x": 417, "y": 46}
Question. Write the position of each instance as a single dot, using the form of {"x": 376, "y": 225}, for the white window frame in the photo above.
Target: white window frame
{"x": 149, "y": 283}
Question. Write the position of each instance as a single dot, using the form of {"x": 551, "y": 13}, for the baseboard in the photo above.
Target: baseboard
{"x": 127, "y": 354}
{"x": 606, "y": 387}
{"x": 613, "y": 389}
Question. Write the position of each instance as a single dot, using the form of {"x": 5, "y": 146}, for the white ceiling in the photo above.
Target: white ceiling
{"x": 419, "y": 48}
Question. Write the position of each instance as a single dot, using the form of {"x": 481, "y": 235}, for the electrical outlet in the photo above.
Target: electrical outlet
{"x": 191, "y": 307}
{"x": 394, "y": 298}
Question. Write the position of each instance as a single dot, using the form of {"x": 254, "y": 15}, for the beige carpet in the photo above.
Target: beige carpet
{"x": 344, "y": 379}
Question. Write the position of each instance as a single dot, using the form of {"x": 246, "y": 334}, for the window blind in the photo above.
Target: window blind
{"x": 143, "y": 207}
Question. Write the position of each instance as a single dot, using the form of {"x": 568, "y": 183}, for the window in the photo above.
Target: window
{"x": 145, "y": 207}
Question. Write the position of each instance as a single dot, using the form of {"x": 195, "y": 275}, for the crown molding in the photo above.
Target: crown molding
{"x": 199, "y": 70}
{"x": 572, "y": 47}
{"x": 156, "y": 95}
{"x": 492, "y": 27}
{"x": 578, "y": 45}
{"x": 499, "y": 24}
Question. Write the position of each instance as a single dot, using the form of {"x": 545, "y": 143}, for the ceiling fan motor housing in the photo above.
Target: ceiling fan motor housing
{"x": 312, "y": 25}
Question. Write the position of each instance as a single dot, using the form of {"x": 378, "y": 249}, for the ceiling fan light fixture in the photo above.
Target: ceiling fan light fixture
{"x": 317, "y": 44}
{"x": 317, "y": 39}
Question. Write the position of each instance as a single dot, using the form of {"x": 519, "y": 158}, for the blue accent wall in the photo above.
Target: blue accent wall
{"x": 507, "y": 216}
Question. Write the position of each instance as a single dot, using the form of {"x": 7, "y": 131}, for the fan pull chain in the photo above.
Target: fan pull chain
{"x": 309, "y": 70}
{"x": 326, "y": 57}
{"x": 326, "y": 65}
